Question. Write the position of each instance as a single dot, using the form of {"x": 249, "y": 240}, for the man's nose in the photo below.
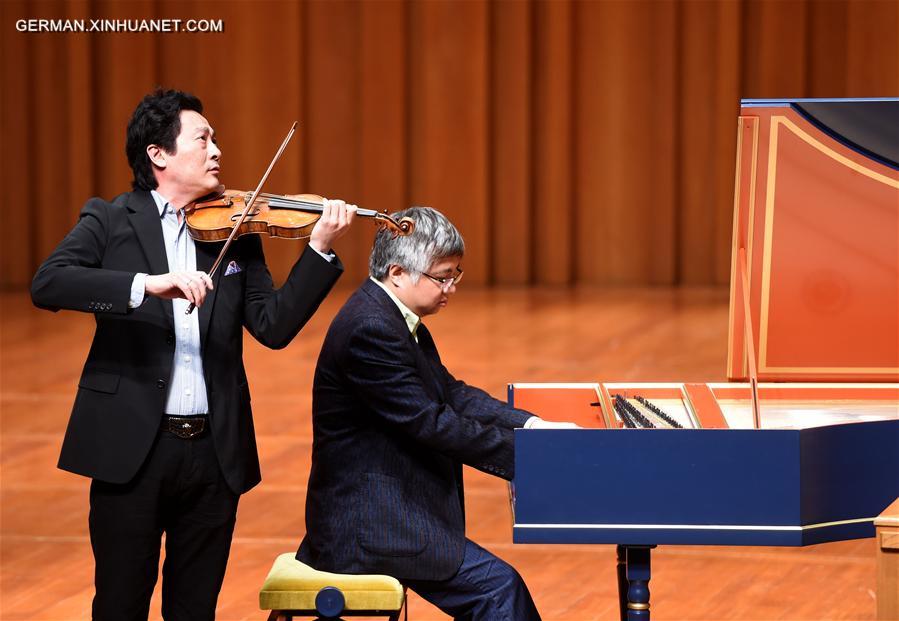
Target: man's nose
{"x": 216, "y": 152}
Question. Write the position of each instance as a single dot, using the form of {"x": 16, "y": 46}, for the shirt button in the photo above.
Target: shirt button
{"x": 187, "y": 391}
{"x": 160, "y": 383}
{"x": 186, "y": 358}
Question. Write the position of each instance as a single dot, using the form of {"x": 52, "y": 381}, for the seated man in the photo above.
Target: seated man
{"x": 392, "y": 429}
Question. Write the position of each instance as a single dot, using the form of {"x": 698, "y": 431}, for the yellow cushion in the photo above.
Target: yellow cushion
{"x": 291, "y": 585}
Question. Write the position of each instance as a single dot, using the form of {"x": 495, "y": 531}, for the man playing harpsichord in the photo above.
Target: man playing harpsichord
{"x": 392, "y": 428}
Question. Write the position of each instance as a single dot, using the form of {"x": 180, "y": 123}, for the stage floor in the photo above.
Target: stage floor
{"x": 487, "y": 337}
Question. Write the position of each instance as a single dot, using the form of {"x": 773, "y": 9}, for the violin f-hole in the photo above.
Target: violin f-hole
{"x": 235, "y": 217}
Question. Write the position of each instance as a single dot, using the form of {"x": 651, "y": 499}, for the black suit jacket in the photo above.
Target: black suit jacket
{"x": 392, "y": 429}
{"x": 122, "y": 392}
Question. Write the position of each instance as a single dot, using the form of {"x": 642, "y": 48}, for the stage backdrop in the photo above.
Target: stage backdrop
{"x": 571, "y": 142}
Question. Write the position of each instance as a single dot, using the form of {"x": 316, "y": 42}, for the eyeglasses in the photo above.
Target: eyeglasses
{"x": 448, "y": 281}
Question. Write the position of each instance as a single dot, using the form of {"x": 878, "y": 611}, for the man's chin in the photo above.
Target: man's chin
{"x": 210, "y": 191}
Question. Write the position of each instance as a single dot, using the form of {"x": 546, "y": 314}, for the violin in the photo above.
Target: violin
{"x": 212, "y": 219}
{"x": 232, "y": 213}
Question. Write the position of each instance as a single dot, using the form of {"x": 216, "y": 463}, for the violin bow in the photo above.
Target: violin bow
{"x": 243, "y": 216}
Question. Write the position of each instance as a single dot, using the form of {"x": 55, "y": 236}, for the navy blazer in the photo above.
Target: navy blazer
{"x": 391, "y": 431}
{"x": 122, "y": 391}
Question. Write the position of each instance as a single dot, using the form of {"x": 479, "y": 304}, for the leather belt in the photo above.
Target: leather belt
{"x": 185, "y": 426}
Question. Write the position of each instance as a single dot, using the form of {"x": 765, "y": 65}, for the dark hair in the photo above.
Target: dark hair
{"x": 156, "y": 120}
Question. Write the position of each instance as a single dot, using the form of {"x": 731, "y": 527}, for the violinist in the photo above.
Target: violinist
{"x": 161, "y": 421}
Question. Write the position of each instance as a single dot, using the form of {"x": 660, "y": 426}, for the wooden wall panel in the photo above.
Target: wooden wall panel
{"x": 80, "y": 168}
{"x": 775, "y": 61}
{"x": 332, "y": 91}
{"x": 696, "y": 156}
{"x": 449, "y": 110}
{"x": 254, "y": 109}
{"x": 46, "y": 95}
{"x": 659, "y": 98}
{"x": 599, "y": 212}
{"x": 384, "y": 108}
{"x": 126, "y": 66}
{"x": 827, "y": 47}
{"x": 510, "y": 218}
{"x": 725, "y": 101}
{"x": 572, "y": 141}
{"x": 18, "y": 252}
{"x": 624, "y": 125}
{"x": 552, "y": 167}
{"x": 872, "y": 63}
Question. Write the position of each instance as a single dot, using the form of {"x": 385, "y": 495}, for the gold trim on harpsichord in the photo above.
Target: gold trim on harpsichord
{"x": 823, "y": 148}
{"x": 637, "y": 606}
{"x": 854, "y": 393}
{"x": 691, "y": 408}
{"x": 605, "y": 406}
{"x": 776, "y": 123}
{"x": 626, "y": 385}
{"x": 750, "y": 225}
{"x": 849, "y": 386}
{"x": 604, "y": 403}
{"x": 812, "y": 370}
{"x": 561, "y": 385}
{"x": 750, "y": 233}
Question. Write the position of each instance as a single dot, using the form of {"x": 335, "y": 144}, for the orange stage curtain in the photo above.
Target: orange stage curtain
{"x": 587, "y": 142}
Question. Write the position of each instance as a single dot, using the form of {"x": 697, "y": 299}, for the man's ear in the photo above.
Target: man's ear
{"x": 156, "y": 155}
{"x": 394, "y": 272}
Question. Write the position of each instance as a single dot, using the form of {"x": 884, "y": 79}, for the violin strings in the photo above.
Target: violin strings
{"x": 293, "y": 201}
{"x": 319, "y": 207}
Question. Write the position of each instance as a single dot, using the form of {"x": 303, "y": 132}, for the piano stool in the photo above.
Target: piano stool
{"x": 293, "y": 589}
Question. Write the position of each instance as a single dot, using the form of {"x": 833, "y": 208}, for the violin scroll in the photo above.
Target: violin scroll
{"x": 404, "y": 227}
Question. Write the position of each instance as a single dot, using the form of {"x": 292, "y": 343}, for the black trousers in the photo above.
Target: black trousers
{"x": 179, "y": 491}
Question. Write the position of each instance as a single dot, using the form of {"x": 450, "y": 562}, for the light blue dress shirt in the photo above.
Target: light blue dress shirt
{"x": 187, "y": 386}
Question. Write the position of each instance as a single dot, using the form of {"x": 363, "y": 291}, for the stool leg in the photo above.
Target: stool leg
{"x": 396, "y": 615}
{"x": 278, "y": 615}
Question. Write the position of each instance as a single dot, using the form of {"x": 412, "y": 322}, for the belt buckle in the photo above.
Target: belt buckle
{"x": 187, "y": 428}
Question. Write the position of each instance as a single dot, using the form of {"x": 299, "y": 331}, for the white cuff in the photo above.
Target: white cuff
{"x": 535, "y": 422}
{"x": 138, "y": 290}
{"x": 329, "y": 257}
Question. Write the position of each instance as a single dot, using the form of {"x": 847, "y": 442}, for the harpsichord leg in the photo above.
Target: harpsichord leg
{"x": 622, "y": 580}
{"x": 638, "y": 574}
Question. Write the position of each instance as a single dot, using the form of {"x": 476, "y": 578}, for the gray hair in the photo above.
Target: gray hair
{"x": 433, "y": 239}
